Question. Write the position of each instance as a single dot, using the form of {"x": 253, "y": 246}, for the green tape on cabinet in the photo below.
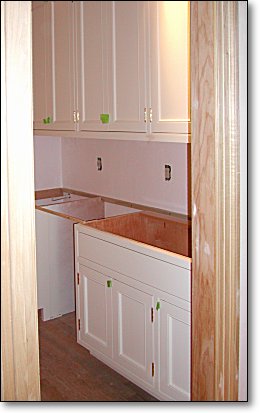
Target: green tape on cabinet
{"x": 104, "y": 117}
{"x": 158, "y": 305}
{"x": 109, "y": 283}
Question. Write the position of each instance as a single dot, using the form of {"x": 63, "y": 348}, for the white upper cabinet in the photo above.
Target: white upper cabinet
{"x": 53, "y": 65}
{"x": 169, "y": 66}
{"x": 112, "y": 66}
{"x": 41, "y": 87}
{"x": 91, "y": 64}
{"x": 126, "y": 49}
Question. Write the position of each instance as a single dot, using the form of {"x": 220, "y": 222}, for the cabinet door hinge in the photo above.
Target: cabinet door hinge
{"x": 152, "y": 314}
{"x": 78, "y": 277}
{"x": 77, "y": 116}
{"x": 74, "y": 116}
{"x": 78, "y": 324}
{"x": 145, "y": 115}
{"x": 152, "y": 369}
{"x": 150, "y": 115}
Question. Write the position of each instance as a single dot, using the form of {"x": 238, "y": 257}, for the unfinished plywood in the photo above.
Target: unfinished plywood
{"x": 77, "y": 211}
{"x": 158, "y": 230}
{"x": 48, "y": 193}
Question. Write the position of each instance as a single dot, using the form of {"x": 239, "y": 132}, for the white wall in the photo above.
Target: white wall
{"x": 47, "y": 162}
{"x": 132, "y": 171}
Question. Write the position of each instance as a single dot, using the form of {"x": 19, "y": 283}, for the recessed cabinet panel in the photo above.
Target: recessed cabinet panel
{"x": 53, "y": 65}
{"x": 133, "y": 339}
{"x": 174, "y": 351}
{"x": 95, "y": 311}
{"x": 126, "y": 65}
{"x": 169, "y": 23}
{"x": 41, "y": 12}
{"x": 92, "y": 74}
{"x": 63, "y": 61}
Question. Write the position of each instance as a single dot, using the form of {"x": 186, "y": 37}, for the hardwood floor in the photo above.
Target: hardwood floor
{"x": 70, "y": 373}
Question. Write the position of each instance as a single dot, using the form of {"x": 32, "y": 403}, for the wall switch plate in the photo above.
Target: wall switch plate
{"x": 99, "y": 164}
{"x": 167, "y": 172}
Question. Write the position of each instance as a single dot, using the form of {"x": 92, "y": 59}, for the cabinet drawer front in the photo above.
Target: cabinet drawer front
{"x": 152, "y": 271}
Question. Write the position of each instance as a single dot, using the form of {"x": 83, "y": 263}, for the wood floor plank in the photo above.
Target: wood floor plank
{"x": 70, "y": 373}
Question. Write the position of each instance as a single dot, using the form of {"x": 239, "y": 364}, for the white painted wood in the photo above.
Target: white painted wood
{"x": 139, "y": 285}
{"x": 42, "y": 261}
{"x": 120, "y": 136}
{"x": 137, "y": 341}
{"x": 54, "y": 62}
{"x": 174, "y": 351}
{"x": 132, "y": 330}
{"x": 126, "y": 49}
{"x": 95, "y": 310}
{"x": 95, "y": 59}
{"x": 169, "y": 66}
{"x": 155, "y": 272}
{"x": 41, "y": 90}
{"x": 139, "y": 247}
{"x": 55, "y": 265}
{"x": 91, "y": 29}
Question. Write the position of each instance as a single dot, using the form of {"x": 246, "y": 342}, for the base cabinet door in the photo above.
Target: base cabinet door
{"x": 174, "y": 352}
{"x": 95, "y": 310}
{"x": 133, "y": 330}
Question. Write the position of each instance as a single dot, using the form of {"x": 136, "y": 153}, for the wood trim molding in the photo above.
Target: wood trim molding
{"x": 19, "y": 322}
{"x": 228, "y": 196}
{"x": 215, "y": 200}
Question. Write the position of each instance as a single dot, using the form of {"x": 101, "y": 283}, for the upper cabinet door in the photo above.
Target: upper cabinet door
{"x": 91, "y": 26}
{"x": 126, "y": 49}
{"x": 62, "y": 65}
{"x": 54, "y": 61}
{"x": 41, "y": 87}
{"x": 170, "y": 66}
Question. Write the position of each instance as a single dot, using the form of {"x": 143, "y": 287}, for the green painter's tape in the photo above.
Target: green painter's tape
{"x": 109, "y": 283}
{"x": 47, "y": 120}
{"x": 158, "y": 305}
{"x": 104, "y": 117}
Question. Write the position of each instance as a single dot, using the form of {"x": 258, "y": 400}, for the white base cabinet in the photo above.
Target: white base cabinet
{"x": 133, "y": 330}
{"x": 95, "y": 310}
{"x": 141, "y": 331}
{"x": 174, "y": 336}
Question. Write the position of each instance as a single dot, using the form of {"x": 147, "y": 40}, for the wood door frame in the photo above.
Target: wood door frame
{"x": 215, "y": 200}
{"x": 215, "y": 193}
{"x": 19, "y": 322}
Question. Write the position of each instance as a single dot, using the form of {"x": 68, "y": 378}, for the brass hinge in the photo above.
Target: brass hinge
{"x": 78, "y": 324}
{"x": 150, "y": 115}
{"x": 78, "y": 277}
{"x": 75, "y": 116}
{"x": 145, "y": 115}
{"x": 152, "y": 369}
{"x": 152, "y": 314}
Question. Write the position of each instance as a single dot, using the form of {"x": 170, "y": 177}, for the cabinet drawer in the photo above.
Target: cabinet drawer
{"x": 144, "y": 268}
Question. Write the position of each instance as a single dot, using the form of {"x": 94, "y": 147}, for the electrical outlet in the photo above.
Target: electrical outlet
{"x": 99, "y": 164}
{"x": 167, "y": 172}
